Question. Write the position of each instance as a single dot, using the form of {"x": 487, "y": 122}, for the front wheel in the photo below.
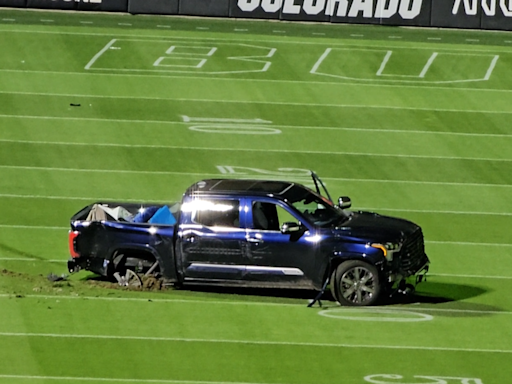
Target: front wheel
{"x": 355, "y": 283}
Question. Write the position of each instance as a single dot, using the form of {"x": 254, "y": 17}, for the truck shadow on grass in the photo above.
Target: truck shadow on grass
{"x": 447, "y": 300}
{"x": 450, "y": 300}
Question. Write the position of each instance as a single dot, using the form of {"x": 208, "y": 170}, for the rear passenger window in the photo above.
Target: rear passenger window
{"x": 216, "y": 213}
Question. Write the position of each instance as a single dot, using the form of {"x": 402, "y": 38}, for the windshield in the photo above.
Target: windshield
{"x": 317, "y": 209}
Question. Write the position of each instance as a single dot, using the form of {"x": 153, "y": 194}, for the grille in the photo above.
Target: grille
{"x": 413, "y": 256}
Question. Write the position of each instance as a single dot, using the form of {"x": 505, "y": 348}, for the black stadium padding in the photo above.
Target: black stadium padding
{"x": 305, "y": 10}
{"x": 444, "y": 14}
{"x": 52, "y": 4}
{"x": 360, "y": 12}
{"x": 469, "y": 14}
{"x": 82, "y": 5}
{"x": 386, "y": 12}
{"x": 405, "y": 13}
{"x": 13, "y": 3}
{"x": 163, "y": 7}
{"x": 219, "y": 8}
{"x": 106, "y": 5}
{"x": 496, "y": 17}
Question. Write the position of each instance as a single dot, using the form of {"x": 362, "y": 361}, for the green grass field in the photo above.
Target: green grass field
{"x": 408, "y": 122}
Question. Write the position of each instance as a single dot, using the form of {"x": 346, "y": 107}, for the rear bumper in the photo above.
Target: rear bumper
{"x": 96, "y": 265}
{"x": 73, "y": 265}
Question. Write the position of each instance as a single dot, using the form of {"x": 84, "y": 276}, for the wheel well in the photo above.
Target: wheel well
{"x": 137, "y": 260}
{"x": 336, "y": 261}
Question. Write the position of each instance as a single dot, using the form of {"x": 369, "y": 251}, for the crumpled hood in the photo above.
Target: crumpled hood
{"x": 378, "y": 228}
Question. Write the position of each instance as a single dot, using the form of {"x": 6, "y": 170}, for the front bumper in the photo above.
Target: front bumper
{"x": 407, "y": 284}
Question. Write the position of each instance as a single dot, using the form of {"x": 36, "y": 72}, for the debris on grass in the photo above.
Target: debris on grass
{"x": 54, "y": 278}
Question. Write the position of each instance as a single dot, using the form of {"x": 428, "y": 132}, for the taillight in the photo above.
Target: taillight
{"x": 72, "y": 244}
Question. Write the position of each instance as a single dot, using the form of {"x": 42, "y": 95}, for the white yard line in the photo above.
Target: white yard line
{"x": 252, "y": 342}
{"x": 257, "y": 102}
{"x": 427, "y": 66}
{"x": 458, "y": 243}
{"x": 468, "y": 243}
{"x": 398, "y": 309}
{"x": 299, "y": 40}
{"x": 44, "y": 227}
{"x": 98, "y": 55}
{"x": 320, "y": 60}
{"x": 336, "y": 179}
{"x": 472, "y": 276}
{"x": 267, "y": 150}
{"x": 52, "y": 197}
{"x": 206, "y": 119}
{"x": 384, "y": 62}
{"x": 114, "y": 380}
{"x": 28, "y": 259}
{"x": 491, "y": 68}
{"x": 222, "y": 79}
{"x": 436, "y": 211}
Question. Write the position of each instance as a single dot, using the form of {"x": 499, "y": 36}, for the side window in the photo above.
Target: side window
{"x": 216, "y": 213}
{"x": 269, "y": 216}
{"x": 285, "y": 216}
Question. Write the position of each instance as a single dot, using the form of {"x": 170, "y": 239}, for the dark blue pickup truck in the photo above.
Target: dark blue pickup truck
{"x": 252, "y": 233}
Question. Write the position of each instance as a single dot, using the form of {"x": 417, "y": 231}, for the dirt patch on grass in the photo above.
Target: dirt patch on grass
{"x": 20, "y": 284}
{"x": 149, "y": 283}
{"x": 25, "y": 283}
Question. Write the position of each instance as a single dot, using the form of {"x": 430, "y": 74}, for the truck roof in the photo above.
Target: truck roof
{"x": 240, "y": 186}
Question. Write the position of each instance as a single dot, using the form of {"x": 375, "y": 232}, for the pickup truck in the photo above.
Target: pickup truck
{"x": 252, "y": 233}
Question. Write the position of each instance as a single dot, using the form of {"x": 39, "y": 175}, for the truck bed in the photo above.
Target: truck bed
{"x": 138, "y": 213}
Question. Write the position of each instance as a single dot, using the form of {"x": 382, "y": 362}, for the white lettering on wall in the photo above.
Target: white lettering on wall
{"x": 271, "y": 6}
{"x": 313, "y": 7}
{"x": 365, "y": 6}
{"x": 470, "y": 7}
{"x": 407, "y": 9}
{"x": 290, "y": 7}
{"x": 248, "y": 5}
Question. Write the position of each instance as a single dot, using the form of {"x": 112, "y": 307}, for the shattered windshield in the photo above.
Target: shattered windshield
{"x": 317, "y": 209}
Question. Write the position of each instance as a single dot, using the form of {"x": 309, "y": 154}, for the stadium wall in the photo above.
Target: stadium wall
{"x": 473, "y": 14}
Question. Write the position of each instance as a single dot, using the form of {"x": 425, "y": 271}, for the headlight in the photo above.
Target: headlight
{"x": 388, "y": 249}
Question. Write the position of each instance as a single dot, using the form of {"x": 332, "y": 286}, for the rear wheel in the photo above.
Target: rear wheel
{"x": 128, "y": 279}
{"x": 355, "y": 283}
{"x": 135, "y": 269}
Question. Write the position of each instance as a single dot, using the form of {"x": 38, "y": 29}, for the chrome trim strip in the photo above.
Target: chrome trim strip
{"x": 288, "y": 271}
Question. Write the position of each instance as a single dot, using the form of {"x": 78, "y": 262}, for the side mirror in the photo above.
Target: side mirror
{"x": 290, "y": 227}
{"x": 344, "y": 202}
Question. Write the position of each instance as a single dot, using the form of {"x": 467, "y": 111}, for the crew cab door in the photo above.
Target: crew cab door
{"x": 275, "y": 257}
{"x": 210, "y": 241}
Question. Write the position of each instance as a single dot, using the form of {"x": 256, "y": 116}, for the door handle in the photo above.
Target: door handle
{"x": 253, "y": 240}
{"x": 190, "y": 239}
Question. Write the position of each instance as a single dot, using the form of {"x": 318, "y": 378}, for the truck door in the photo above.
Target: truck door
{"x": 282, "y": 259}
{"x": 210, "y": 240}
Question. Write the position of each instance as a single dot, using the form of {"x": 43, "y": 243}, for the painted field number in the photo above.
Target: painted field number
{"x": 197, "y": 57}
{"x": 405, "y": 65}
{"x": 185, "y": 57}
{"x": 388, "y": 379}
{"x": 230, "y": 126}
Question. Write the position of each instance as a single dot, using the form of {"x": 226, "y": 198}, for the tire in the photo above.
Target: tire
{"x": 129, "y": 279}
{"x": 355, "y": 283}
